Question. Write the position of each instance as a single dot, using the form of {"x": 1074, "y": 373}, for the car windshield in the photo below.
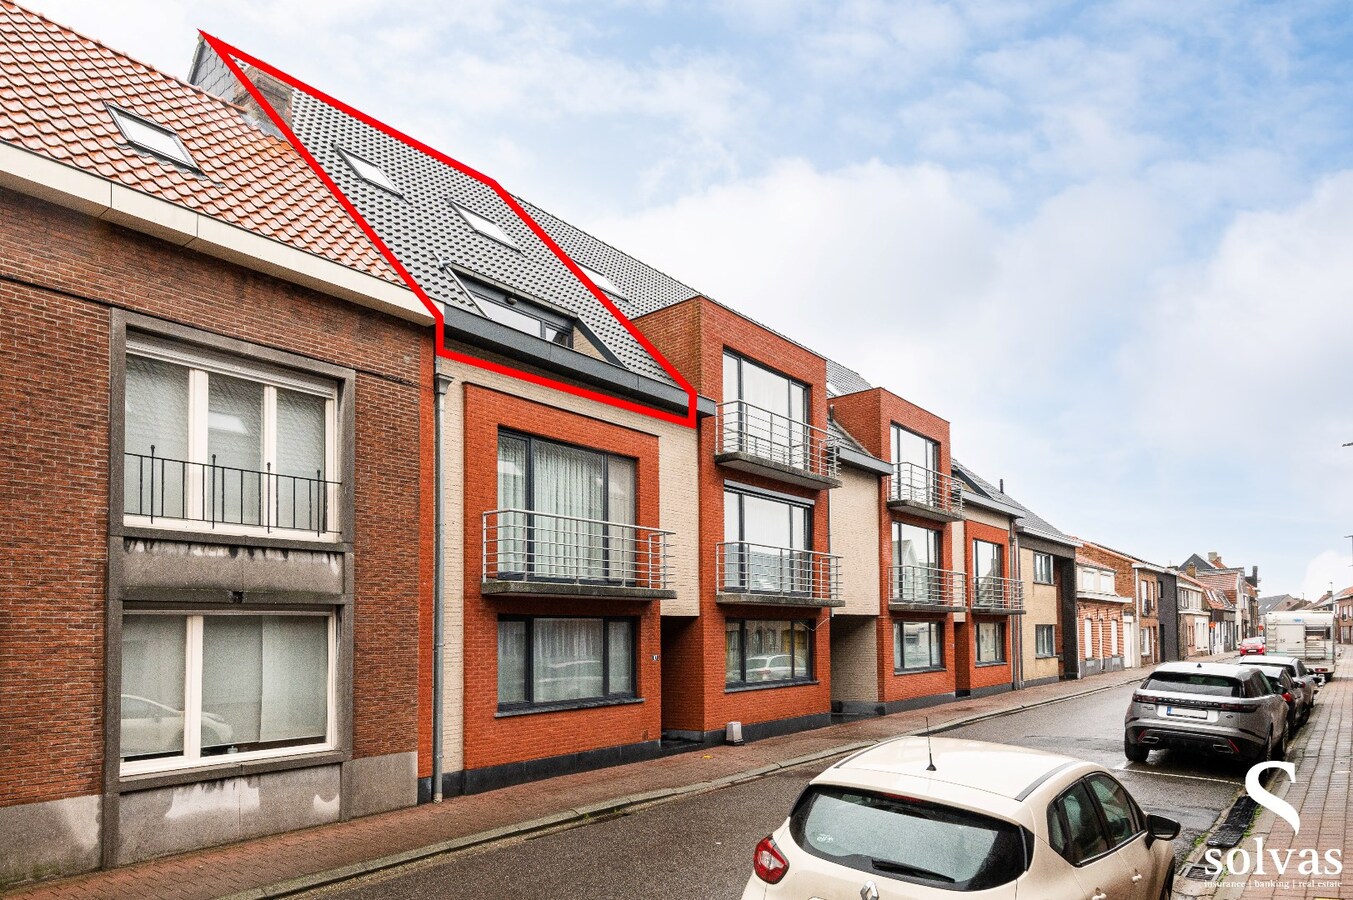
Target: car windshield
{"x": 911, "y": 840}
{"x": 1193, "y": 683}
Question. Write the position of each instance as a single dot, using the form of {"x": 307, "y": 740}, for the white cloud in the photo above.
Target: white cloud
{"x": 1330, "y": 567}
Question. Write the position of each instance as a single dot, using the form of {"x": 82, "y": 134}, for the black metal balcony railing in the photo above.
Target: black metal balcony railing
{"x": 993, "y": 592}
{"x": 926, "y": 487}
{"x": 746, "y": 568}
{"x": 159, "y": 488}
{"x": 757, "y": 432}
{"x": 927, "y": 586}
{"x": 523, "y": 545}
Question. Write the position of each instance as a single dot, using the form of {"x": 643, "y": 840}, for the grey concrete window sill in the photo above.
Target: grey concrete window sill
{"x": 767, "y": 685}
{"x": 565, "y": 707}
{"x": 920, "y": 671}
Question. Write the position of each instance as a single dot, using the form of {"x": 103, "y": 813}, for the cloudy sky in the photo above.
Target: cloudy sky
{"x": 1109, "y": 242}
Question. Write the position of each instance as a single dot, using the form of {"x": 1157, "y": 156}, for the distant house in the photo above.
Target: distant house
{"x": 1278, "y": 603}
{"x": 1343, "y": 615}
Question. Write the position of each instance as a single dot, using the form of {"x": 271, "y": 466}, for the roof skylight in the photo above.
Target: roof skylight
{"x": 484, "y": 225}
{"x": 369, "y": 172}
{"x": 151, "y": 137}
{"x": 601, "y": 281}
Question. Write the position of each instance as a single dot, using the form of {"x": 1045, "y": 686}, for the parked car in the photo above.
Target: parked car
{"x": 1306, "y": 681}
{"x": 1215, "y": 708}
{"x": 150, "y": 728}
{"x": 1252, "y": 646}
{"x": 771, "y": 667}
{"x": 911, "y": 818}
{"x": 1281, "y": 684}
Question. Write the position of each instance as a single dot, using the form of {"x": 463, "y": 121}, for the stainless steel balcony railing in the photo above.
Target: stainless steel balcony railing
{"x": 757, "y": 432}
{"x": 1000, "y": 594}
{"x": 927, "y": 586}
{"x": 926, "y": 487}
{"x": 523, "y": 545}
{"x": 746, "y": 568}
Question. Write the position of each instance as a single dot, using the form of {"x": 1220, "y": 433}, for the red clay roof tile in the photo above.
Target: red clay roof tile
{"x": 54, "y": 85}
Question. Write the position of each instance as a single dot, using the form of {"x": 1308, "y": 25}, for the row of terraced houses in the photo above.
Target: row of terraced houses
{"x": 336, "y": 480}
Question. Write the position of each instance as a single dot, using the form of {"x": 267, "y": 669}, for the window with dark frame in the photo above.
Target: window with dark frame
{"x": 566, "y": 512}
{"x": 520, "y": 314}
{"x": 990, "y": 642}
{"x": 1045, "y": 641}
{"x": 770, "y": 542}
{"x": 918, "y": 646}
{"x": 556, "y": 662}
{"x": 765, "y": 651}
{"x": 1043, "y": 568}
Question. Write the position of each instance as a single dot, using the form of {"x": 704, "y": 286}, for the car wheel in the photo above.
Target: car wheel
{"x": 1135, "y": 752}
{"x": 1279, "y": 750}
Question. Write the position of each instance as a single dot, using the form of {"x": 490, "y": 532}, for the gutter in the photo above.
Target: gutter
{"x": 440, "y": 383}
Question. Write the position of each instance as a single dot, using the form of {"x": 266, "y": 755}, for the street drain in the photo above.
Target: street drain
{"x": 1199, "y": 872}
{"x": 1237, "y": 820}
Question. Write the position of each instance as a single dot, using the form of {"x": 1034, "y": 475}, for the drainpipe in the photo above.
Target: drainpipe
{"x": 440, "y": 384}
{"x": 1016, "y": 633}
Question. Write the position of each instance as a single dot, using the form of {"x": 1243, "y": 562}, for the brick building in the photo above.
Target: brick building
{"x": 989, "y": 641}
{"x": 1104, "y": 609}
{"x": 216, "y": 403}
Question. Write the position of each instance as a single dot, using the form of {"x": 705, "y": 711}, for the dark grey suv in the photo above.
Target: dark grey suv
{"x": 1215, "y": 708}
{"x": 1305, "y": 680}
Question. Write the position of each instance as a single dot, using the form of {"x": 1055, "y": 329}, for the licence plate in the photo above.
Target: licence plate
{"x": 1185, "y": 713}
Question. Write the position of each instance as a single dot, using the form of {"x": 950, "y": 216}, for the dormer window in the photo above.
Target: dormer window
{"x": 153, "y": 138}
{"x": 602, "y": 281}
{"x": 369, "y": 172}
{"x": 484, "y": 225}
{"x": 521, "y": 315}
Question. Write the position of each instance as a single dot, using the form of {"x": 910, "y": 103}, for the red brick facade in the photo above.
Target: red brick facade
{"x": 693, "y": 336}
{"x": 61, "y": 276}
{"x": 491, "y": 739}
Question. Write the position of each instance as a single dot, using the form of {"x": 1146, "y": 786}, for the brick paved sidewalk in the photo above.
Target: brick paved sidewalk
{"x": 1323, "y": 755}
{"x": 260, "y": 867}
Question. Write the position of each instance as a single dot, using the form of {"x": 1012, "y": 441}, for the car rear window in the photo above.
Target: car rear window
{"x": 1191, "y": 683}
{"x": 911, "y": 840}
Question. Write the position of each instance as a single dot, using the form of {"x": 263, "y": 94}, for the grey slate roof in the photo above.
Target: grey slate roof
{"x": 847, "y": 380}
{"x": 424, "y": 231}
{"x": 1028, "y": 520}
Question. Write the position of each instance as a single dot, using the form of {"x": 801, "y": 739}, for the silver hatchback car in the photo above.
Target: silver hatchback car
{"x": 1216, "y": 708}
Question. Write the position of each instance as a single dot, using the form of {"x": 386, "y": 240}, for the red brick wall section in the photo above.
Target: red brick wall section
{"x": 1104, "y": 616}
{"x": 53, "y": 497}
{"x": 489, "y": 739}
{"x": 693, "y": 336}
{"x": 869, "y": 417}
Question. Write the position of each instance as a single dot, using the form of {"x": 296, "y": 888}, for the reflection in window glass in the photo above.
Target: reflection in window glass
{"x": 153, "y": 670}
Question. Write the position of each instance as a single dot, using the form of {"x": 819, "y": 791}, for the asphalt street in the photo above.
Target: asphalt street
{"x": 701, "y": 847}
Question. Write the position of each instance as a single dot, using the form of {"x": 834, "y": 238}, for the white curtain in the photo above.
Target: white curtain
{"x": 568, "y": 482}
{"x": 620, "y": 658}
{"x": 621, "y": 555}
{"x": 300, "y": 452}
{"x": 235, "y": 441}
{"x": 156, "y": 414}
{"x": 509, "y": 541}
{"x": 153, "y": 674}
{"x": 511, "y": 661}
{"x": 567, "y": 659}
{"x": 264, "y": 681}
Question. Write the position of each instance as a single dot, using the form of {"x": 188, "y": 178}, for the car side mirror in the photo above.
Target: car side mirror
{"x": 1161, "y": 828}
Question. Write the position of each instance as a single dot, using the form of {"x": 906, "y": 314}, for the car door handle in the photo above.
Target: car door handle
{"x": 1136, "y": 877}
{"x": 1099, "y": 895}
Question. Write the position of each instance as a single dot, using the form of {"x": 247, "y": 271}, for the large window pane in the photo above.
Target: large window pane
{"x": 235, "y": 447}
{"x": 769, "y": 650}
{"x": 567, "y": 659}
{"x": 511, "y": 661}
{"x": 917, "y": 645}
{"x": 803, "y": 662}
{"x": 264, "y": 682}
{"x": 732, "y": 652}
{"x": 510, "y": 542}
{"x": 156, "y": 411}
{"x": 153, "y": 675}
{"x": 990, "y": 642}
{"x": 620, "y": 657}
{"x": 299, "y": 498}
{"x": 621, "y": 552}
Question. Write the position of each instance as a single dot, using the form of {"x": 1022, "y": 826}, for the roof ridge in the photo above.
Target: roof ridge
{"x": 609, "y": 245}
